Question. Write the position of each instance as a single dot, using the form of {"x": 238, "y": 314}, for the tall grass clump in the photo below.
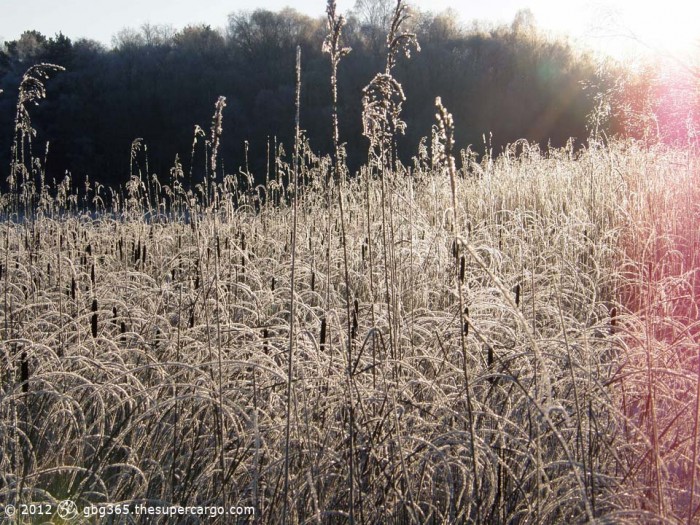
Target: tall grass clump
{"x": 511, "y": 338}
{"x": 25, "y": 166}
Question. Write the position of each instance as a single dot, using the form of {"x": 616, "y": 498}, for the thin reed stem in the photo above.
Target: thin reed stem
{"x": 292, "y": 300}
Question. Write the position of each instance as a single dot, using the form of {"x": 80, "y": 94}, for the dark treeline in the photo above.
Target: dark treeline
{"x": 157, "y": 84}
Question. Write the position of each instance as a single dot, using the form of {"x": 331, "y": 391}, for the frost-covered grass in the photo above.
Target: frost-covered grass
{"x": 146, "y": 360}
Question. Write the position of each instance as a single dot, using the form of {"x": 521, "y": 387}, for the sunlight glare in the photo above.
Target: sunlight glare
{"x": 626, "y": 28}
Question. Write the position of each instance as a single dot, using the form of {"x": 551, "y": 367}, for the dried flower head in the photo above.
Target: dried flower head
{"x": 397, "y": 40}
{"x": 381, "y": 110}
{"x": 331, "y": 44}
{"x": 216, "y": 130}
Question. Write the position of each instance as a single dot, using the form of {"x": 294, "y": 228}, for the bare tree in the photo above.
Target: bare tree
{"x": 374, "y": 13}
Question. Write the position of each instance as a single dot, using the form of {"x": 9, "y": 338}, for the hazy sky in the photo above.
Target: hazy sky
{"x": 674, "y": 28}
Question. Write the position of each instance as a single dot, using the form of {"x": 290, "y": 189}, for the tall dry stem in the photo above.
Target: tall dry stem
{"x": 292, "y": 299}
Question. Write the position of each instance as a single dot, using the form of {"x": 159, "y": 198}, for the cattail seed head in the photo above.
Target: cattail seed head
{"x": 93, "y": 319}
{"x": 613, "y": 320}
{"x": 323, "y": 333}
{"x": 24, "y": 372}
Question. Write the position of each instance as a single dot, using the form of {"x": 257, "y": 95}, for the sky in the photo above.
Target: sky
{"x": 620, "y": 28}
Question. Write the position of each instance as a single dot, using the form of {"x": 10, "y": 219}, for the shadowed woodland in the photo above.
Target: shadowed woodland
{"x": 156, "y": 84}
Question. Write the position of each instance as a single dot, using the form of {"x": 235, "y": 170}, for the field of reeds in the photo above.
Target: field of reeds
{"x": 509, "y": 338}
